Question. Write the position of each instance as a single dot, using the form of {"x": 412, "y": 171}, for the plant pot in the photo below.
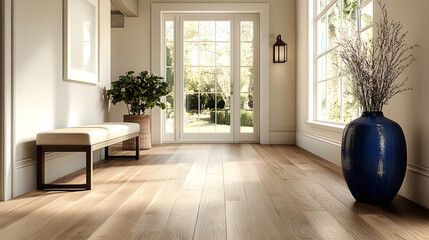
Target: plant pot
{"x": 145, "y": 132}
{"x": 373, "y": 158}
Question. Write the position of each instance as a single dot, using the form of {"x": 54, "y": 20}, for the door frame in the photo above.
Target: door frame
{"x": 157, "y": 11}
{"x": 235, "y": 134}
{"x": 6, "y": 100}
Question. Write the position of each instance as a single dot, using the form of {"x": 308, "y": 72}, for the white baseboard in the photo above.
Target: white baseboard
{"x": 48, "y": 157}
{"x": 57, "y": 165}
{"x": 322, "y": 147}
{"x": 423, "y": 171}
{"x": 282, "y": 137}
{"x": 415, "y": 184}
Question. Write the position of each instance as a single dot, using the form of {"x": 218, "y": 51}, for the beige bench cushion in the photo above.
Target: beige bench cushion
{"x": 116, "y": 129}
{"x": 86, "y": 135}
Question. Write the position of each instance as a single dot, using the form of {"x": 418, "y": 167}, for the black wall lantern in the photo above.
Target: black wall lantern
{"x": 279, "y": 51}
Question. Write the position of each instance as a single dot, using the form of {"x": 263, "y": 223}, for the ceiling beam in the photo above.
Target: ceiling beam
{"x": 129, "y": 8}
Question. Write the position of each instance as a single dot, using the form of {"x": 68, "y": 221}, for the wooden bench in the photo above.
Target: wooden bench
{"x": 86, "y": 139}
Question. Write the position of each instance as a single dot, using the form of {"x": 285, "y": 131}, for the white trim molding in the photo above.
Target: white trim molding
{"x": 423, "y": 171}
{"x": 335, "y": 127}
{"x": 416, "y": 180}
{"x": 279, "y": 136}
{"x": 321, "y": 146}
{"x": 6, "y": 102}
{"x": 32, "y": 161}
{"x": 158, "y": 9}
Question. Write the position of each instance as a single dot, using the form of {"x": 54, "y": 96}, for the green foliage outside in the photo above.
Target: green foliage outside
{"x": 169, "y": 105}
{"x": 207, "y": 101}
{"x": 224, "y": 117}
{"x": 349, "y": 11}
{"x": 349, "y": 104}
{"x": 139, "y": 92}
{"x": 246, "y": 119}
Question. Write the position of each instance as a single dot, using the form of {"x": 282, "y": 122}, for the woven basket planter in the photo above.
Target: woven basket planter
{"x": 145, "y": 132}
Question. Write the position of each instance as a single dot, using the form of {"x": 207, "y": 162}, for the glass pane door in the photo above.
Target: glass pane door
{"x": 246, "y": 76}
{"x": 207, "y": 79}
{"x": 246, "y": 96}
{"x": 211, "y": 64}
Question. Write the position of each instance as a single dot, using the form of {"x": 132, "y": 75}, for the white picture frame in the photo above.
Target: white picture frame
{"x": 81, "y": 44}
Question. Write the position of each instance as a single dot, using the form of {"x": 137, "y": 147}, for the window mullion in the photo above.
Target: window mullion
{"x": 328, "y": 79}
{"x": 215, "y": 78}
{"x": 365, "y": 28}
{"x": 325, "y": 10}
{"x": 360, "y": 6}
{"x": 340, "y": 81}
{"x": 326, "y": 69}
{"x": 358, "y": 17}
{"x": 327, "y": 102}
{"x": 327, "y": 51}
{"x": 341, "y": 73}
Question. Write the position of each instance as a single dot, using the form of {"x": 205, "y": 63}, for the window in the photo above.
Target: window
{"x": 333, "y": 101}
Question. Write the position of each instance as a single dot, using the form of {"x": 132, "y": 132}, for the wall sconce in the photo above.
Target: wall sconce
{"x": 280, "y": 51}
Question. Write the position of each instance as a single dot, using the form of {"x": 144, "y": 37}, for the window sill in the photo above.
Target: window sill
{"x": 327, "y": 126}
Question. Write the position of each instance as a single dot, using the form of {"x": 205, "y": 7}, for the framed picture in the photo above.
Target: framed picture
{"x": 81, "y": 40}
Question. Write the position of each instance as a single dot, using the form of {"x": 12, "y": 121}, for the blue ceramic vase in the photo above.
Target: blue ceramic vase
{"x": 373, "y": 158}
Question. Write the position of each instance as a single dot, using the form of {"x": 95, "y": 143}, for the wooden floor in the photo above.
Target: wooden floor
{"x": 211, "y": 191}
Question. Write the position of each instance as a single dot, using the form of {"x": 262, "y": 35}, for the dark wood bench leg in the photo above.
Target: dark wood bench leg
{"x": 89, "y": 160}
{"x": 106, "y": 152}
{"x": 137, "y": 148}
{"x": 41, "y": 150}
{"x": 40, "y": 168}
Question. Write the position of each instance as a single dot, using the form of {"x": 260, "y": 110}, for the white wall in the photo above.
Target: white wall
{"x": 408, "y": 109}
{"x": 43, "y": 100}
{"x": 131, "y": 50}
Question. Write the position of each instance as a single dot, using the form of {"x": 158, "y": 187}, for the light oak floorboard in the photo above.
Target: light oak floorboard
{"x": 327, "y": 226}
{"x": 210, "y": 191}
{"x": 387, "y": 227}
{"x": 211, "y": 222}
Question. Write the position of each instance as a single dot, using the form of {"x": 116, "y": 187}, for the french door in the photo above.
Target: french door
{"x": 210, "y": 63}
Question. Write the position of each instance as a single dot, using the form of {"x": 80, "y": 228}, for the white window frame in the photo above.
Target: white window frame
{"x": 158, "y": 9}
{"x": 313, "y": 57}
{"x": 7, "y": 108}
{"x": 175, "y": 19}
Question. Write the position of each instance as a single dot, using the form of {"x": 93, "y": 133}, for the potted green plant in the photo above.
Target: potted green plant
{"x": 140, "y": 93}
